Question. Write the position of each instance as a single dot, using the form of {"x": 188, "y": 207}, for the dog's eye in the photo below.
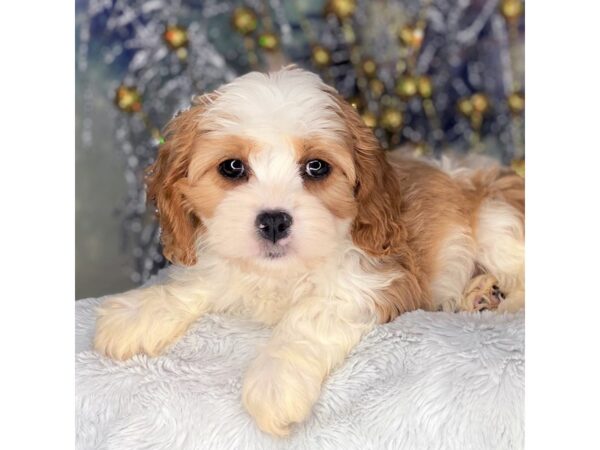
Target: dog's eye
{"x": 232, "y": 168}
{"x": 316, "y": 168}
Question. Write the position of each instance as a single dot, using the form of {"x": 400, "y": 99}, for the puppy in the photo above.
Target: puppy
{"x": 276, "y": 203}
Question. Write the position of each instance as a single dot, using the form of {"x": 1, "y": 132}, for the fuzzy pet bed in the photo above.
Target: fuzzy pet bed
{"x": 424, "y": 381}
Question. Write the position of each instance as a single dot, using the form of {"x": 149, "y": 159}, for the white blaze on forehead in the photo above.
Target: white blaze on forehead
{"x": 274, "y": 163}
{"x": 290, "y": 101}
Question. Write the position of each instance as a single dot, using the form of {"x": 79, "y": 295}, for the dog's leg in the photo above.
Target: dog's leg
{"x": 456, "y": 264}
{"x": 284, "y": 381}
{"x": 501, "y": 250}
{"x": 148, "y": 319}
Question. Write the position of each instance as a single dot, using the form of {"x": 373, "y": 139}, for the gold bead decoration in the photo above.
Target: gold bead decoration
{"x": 424, "y": 86}
{"x": 342, "y": 9}
{"x": 356, "y": 103}
{"x": 176, "y": 37}
{"x": 518, "y": 165}
{"x": 376, "y": 87}
{"x": 417, "y": 38}
{"x": 516, "y": 102}
{"x": 321, "y": 56}
{"x": 465, "y": 107}
{"x": 268, "y": 41}
{"x": 244, "y": 20}
{"x": 411, "y": 36}
{"x": 511, "y": 9}
{"x": 406, "y": 86}
{"x": 401, "y": 66}
{"x": 405, "y": 34}
{"x": 128, "y": 99}
{"x": 369, "y": 119}
{"x": 369, "y": 67}
{"x": 477, "y": 103}
{"x": 480, "y": 103}
{"x": 391, "y": 119}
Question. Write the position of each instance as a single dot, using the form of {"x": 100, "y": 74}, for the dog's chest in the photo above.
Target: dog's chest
{"x": 259, "y": 298}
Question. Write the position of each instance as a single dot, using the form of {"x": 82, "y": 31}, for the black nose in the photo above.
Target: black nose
{"x": 273, "y": 225}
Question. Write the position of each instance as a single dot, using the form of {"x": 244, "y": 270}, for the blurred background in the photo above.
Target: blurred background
{"x": 441, "y": 75}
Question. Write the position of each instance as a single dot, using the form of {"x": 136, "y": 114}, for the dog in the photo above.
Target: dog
{"x": 276, "y": 203}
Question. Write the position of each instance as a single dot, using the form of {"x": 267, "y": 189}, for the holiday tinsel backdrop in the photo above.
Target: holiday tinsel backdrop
{"x": 438, "y": 74}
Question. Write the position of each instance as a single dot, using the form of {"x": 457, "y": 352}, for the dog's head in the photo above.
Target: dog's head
{"x": 270, "y": 171}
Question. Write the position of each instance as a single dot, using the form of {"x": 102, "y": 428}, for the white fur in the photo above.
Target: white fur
{"x": 501, "y": 250}
{"x": 319, "y": 294}
{"x": 499, "y": 243}
{"x": 456, "y": 259}
{"x": 319, "y": 316}
{"x": 287, "y": 102}
{"x": 276, "y": 184}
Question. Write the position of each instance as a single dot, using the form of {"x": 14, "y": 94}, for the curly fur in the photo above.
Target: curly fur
{"x": 380, "y": 235}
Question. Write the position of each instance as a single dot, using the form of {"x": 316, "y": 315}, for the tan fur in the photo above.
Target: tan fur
{"x": 206, "y": 187}
{"x": 379, "y": 236}
{"x": 403, "y": 208}
{"x": 337, "y": 190}
{"x": 406, "y": 210}
{"x": 377, "y": 227}
{"x": 167, "y": 183}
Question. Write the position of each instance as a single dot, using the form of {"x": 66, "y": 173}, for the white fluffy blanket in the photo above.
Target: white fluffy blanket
{"x": 424, "y": 381}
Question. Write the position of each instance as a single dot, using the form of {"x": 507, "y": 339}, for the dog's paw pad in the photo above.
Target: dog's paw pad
{"x": 483, "y": 293}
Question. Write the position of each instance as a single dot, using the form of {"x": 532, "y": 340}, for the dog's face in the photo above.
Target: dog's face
{"x": 271, "y": 171}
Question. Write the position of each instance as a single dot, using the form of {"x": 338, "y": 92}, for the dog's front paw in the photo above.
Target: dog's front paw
{"x": 277, "y": 394}
{"x": 124, "y": 328}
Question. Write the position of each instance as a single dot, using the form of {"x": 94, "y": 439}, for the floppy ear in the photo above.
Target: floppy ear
{"x": 167, "y": 183}
{"x": 378, "y": 227}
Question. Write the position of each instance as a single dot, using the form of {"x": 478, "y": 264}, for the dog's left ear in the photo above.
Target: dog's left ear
{"x": 377, "y": 228}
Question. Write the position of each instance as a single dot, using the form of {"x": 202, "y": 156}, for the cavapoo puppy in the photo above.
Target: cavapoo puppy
{"x": 276, "y": 203}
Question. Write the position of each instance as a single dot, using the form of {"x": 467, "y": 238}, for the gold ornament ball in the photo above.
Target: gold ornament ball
{"x": 391, "y": 119}
{"x": 244, "y": 20}
{"x": 182, "y": 53}
{"x": 511, "y": 9}
{"x": 406, "y": 86}
{"x": 128, "y": 99}
{"x": 516, "y": 102}
{"x": 269, "y": 41}
{"x": 369, "y": 119}
{"x": 417, "y": 38}
{"x": 342, "y": 9}
{"x": 465, "y": 107}
{"x": 321, "y": 56}
{"x": 411, "y": 36}
{"x": 176, "y": 37}
{"x": 406, "y": 34}
{"x": 376, "y": 87}
{"x": 356, "y": 103}
{"x": 480, "y": 103}
{"x": 401, "y": 66}
{"x": 369, "y": 67}
{"x": 425, "y": 86}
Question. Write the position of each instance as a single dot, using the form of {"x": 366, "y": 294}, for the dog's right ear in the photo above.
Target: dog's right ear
{"x": 167, "y": 182}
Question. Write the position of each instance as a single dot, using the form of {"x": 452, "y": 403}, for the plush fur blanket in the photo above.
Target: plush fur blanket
{"x": 424, "y": 381}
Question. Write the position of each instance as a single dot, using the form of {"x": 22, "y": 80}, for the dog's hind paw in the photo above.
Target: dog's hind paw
{"x": 483, "y": 293}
